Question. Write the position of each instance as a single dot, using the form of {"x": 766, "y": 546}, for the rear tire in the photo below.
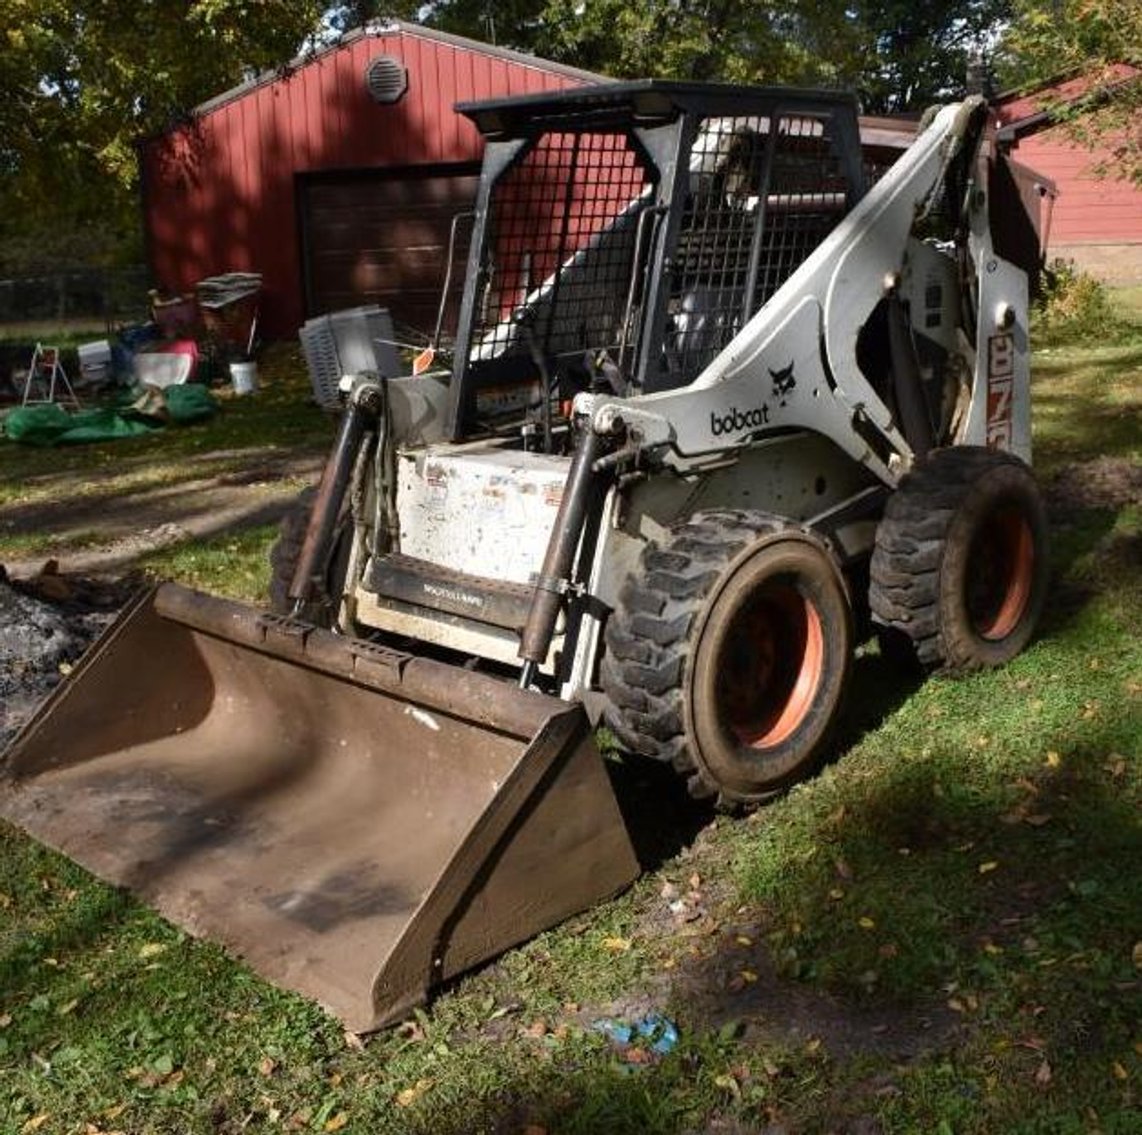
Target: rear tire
{"x": 729, "y": 654}
{"x": 322, "y": 611}
{"x": 959, "y": 571}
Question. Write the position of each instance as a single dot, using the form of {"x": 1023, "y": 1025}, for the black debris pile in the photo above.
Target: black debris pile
{"x": 46, "y": 623}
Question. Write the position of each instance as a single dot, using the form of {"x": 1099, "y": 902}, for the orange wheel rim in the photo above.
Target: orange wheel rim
{"x": 1001, "y": 572}
{"x": 770, "y": 667}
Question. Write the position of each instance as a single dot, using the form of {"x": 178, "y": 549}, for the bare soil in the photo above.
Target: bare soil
{"x": 131, "y": 524}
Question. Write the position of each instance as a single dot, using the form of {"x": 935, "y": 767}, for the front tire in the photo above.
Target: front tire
{"x": 729, "y": 654}
{"x": 959, "y": 571}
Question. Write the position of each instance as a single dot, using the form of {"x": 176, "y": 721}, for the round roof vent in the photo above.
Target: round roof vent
{"x": 386, "y": 79}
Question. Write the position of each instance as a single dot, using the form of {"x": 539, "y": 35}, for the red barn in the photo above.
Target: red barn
{"x": 338, "y": 179}
{"x": 1096, "y": 221}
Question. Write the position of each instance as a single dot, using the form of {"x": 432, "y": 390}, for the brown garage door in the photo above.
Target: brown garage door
{"x": 383, "y": 238}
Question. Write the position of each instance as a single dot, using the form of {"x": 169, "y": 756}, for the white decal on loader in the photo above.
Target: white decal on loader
{"x": 451, "y": 593}
{"x": 735, "y": 421}
{"x": 1000, "y": 388}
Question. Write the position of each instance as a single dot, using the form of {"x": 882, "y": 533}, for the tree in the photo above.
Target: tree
{"x": 1100, "y": 40}
{"x": 916, "y": 54}
{"x": 82, "y": 81}
{"x": 897, "y": 54}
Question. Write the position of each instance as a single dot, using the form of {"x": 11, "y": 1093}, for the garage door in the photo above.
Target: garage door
{"x": 383, "y": 238}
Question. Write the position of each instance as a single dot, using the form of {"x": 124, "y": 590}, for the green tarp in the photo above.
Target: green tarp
{"x": 137, "y": 414}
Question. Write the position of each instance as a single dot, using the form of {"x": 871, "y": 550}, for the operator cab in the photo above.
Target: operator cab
{"x": 626, "y": 232}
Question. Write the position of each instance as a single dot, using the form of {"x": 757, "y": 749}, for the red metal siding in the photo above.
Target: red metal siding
{"x": 1089, "y": 209}
{"x": 220, "y": 195}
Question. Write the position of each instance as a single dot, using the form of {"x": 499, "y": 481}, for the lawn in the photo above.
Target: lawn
{"x": 942, "y": 932}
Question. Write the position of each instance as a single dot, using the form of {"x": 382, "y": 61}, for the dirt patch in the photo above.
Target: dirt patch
{"x": 108, "y": 533}
{"x": 1104, "y": 483}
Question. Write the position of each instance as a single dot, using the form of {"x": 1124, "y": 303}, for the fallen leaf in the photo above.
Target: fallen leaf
{"x": 813, "y": 1045}
{"x": 536, "y": 1028}
{"x": 956, "y": 1005}
{"x": 988, "y": 867}
{"x": 1037, "y": 819}
{"x": 337, "y": 1122}
{"x": 728, "y": 1082}
{"x": 866, "y": 923}
{"x": 695, "y": 881}
{"x": 748, "y": 976}
{"x": 1136, "y": 955}
{"x": 68, "y": 1009}
{"x": 267, "y": 1066}
{"x": 353, "y": 1041}
{"x": 114, "y": 1111}
{"x": 616, "y": 945}
{"x": 410, "y": 1095}
{"x": 743, "y": 940}
{"x": 1053, "y": 759}
{"x": 836, "y": 893}
{"x": 1115, "y": 765}
{"x": 6, "y": 1018}
{"x": 1119, "y": 1071}
{"x": 36, "y": 1122}
{"x": 150, "y": 949}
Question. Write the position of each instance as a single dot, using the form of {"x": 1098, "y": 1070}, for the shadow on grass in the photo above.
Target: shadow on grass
{"x": 661, "y": 816}
{"x": 94, "y": 913}
{"x": 1070, "y": 426}
{"x": 1015, "y": 898}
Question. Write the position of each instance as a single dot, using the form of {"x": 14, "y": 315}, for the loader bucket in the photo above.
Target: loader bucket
{"x": 356, "y": 823}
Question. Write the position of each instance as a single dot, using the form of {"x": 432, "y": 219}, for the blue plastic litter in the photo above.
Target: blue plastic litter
{"x": 658, "y": 1032}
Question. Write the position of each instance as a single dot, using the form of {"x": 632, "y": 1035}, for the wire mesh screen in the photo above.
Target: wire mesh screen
{"x": 560, "y": 258}
{"x": 806, "y": 197}
{"x": 761, "y": 199}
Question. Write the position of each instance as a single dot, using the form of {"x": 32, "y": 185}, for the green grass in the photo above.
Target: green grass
{"x": 940, "y": 933}
{"x": 1127, "y": 301}
{"x": 233, "y": 564}
{"x": 279, "y": 419}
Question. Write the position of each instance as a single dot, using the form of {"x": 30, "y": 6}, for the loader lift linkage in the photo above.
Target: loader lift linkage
{"x": 721, "y": 405}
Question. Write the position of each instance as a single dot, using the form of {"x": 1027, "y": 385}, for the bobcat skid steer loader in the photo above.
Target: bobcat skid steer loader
{"x": 717, "y": 409}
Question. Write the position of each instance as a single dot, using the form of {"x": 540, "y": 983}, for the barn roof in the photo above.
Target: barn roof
{"x": 1030, "y": 109}
{"x": 380, "y": 29}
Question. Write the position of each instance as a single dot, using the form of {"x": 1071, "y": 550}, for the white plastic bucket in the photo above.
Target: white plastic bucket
{"x": 244, "y": 377}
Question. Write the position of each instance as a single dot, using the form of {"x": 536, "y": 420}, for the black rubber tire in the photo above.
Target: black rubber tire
{"x": 959, "y": 571}
{"x": 283, "y": 560}
{"x": 732, "y": 606}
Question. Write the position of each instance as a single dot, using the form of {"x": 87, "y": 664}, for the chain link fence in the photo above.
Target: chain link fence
{"x": 75, "y": 297}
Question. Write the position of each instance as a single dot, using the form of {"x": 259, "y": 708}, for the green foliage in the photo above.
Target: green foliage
{"x": 1099, "y": 41}
{"x": 1074, "y": 307}
{"x": 81, "y": 82}
{"x": 895, "y": 54}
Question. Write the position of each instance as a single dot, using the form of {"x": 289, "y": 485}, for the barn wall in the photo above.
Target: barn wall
{"x": 1097, "y": 222}
{"x": 220, "y": 193}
